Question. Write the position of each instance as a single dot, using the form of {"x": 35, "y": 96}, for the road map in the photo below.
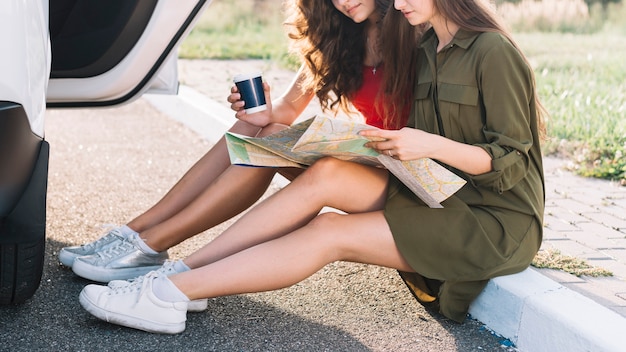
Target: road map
{"x": 303, "y": 143}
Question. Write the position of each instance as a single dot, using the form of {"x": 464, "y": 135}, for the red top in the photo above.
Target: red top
{"x": 365, "y": 97}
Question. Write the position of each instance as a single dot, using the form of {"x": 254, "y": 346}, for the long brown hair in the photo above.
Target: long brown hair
{"x": 399, "y": 48}
{"x": 333, "y": 48}
{"x": 480, "y": 16}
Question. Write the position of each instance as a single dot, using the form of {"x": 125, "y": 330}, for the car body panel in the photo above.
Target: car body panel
{"x": 110, "y": 52}
{"x": 25, "y": 64}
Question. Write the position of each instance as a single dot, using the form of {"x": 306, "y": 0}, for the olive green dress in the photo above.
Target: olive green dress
{"x": 484, "y": 92}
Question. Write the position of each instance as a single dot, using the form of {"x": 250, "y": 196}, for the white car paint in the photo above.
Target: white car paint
{"x": 25, "y": 64}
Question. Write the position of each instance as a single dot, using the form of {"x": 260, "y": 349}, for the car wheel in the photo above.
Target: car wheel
{"x": 22, "y": 237}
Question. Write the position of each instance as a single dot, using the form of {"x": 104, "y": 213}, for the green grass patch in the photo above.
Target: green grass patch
{"x": 582, "y": 83}
{"x": 241, "y": 29}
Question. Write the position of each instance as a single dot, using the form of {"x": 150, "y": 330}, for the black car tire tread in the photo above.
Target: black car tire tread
{"x": 21, "y": 267}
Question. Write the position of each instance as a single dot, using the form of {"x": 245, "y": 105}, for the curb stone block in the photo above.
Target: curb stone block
{"x": 538, "y": 314}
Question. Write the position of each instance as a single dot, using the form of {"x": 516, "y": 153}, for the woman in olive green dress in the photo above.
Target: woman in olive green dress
{"x": 475, "y": 112}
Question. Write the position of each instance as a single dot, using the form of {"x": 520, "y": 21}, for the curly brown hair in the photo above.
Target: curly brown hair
{"x": 333, "y": 48}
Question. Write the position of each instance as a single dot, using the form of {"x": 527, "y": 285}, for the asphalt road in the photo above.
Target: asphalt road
{"x": 107, "y": 166}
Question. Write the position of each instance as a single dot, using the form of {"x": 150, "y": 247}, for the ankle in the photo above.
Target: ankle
{"x": 127, "y": 231}
{"x": 165, "y": 290}
{"x": 143, "y": 246}
{"x": 180, "y": 266}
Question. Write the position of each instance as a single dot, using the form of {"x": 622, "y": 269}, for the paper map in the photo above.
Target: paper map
{"x": 302, "y": 144}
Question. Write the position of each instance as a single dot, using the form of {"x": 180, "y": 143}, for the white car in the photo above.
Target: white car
{"x": 60, "y": 54}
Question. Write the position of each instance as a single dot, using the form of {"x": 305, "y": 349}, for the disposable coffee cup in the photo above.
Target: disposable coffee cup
{"x": 250, "y": 86}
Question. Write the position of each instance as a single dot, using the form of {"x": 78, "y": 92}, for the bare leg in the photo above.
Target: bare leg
{"x": 282, "y": 262}
{"x": 351, "y": 187}
{"x": 230, "y": 194}
{"x": 197, "y": 178}
{"x": 234, "y": 190}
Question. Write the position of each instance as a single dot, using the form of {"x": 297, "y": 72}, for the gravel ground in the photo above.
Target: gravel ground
{"x": 109, "y": 165}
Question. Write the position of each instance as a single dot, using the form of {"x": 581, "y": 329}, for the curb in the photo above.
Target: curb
{"x": 529, "y": 309}
{"x": 206, "y": 117}
{"x": 538, "y": 314}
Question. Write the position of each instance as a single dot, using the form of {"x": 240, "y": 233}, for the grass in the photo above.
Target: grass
{"x": 241, "y": 29}
{"x": 582, "y": 82}
{"x": 553, "y": 259}
{"x": 578, "y": 58}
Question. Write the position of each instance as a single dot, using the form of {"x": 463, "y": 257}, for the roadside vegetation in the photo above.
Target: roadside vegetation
{"x": 554, "y": 259}
{"x": 577, "y": 49}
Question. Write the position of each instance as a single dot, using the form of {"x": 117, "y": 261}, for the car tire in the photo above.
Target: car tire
{"x": 23, "y": 237}
{"x": 22, "y": 267}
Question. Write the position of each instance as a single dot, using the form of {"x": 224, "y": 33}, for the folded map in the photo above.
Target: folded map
{"x": 303, "y": 143}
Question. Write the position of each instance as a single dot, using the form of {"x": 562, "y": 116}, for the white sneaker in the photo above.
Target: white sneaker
{"x": 122, "y": 261}
{"x": 196, "y": 305}
{"x": 68, "y": 254}
{"x": 135, "y": 306}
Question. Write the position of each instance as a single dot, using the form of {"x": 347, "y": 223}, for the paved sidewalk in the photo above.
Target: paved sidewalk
{"x": 539, "y": 310}
{"x": 586, "y": 218}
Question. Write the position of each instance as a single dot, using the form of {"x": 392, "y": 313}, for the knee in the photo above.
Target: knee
{"x": 323, "y": 169}
{"x": 326, "y": 234}
{"x": 326, "y": 220}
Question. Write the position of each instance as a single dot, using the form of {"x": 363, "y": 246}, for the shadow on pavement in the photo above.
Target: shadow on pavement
{"x": 53, "y": 320}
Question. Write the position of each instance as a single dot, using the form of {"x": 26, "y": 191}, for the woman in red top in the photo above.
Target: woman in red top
{"x": 339, "y": 45}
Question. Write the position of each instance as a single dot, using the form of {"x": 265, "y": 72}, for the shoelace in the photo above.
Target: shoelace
{"x": 168, "y": 267}
{"x": 133, "y": 286}
{"x": 123, "y": 246}
{"x": 106, "y": 238}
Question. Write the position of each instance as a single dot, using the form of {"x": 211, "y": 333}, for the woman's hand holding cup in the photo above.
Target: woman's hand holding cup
{"x": 250, "y": 99}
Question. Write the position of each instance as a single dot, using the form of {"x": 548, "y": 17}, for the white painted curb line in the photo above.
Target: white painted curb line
{"x": 532, "y": 311}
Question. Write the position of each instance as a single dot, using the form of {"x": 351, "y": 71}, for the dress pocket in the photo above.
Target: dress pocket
{"x": 458, "y": 106}
{"x": 423, "y": 108}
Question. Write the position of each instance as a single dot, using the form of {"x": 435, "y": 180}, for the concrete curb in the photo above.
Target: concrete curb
{"x": 538, "y": 314}
{"x": 532, "y": 311}
{"x": 206, "y": 117}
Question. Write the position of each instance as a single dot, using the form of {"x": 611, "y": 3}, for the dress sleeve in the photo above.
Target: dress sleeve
{"x": 507, "y": 91}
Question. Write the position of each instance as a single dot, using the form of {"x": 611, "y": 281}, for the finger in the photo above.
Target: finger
{"x": 238, "y": 105}
{"x": 233, "y": 98}
{"x": 376, "y": 146}
{"x": 240, "y": 113}
{"x": 374, "y": 133}
{"x": 384, "y": 146}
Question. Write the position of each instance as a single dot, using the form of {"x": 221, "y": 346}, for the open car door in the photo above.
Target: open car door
{"x": 108, "y": 52}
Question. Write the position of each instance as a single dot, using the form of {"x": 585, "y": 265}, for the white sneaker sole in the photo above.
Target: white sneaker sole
{"x": 105, "y": 275}
{"x": 198, "y": 305}
{"x": 67, "y": 258}
{"x": 129, "y": 321}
